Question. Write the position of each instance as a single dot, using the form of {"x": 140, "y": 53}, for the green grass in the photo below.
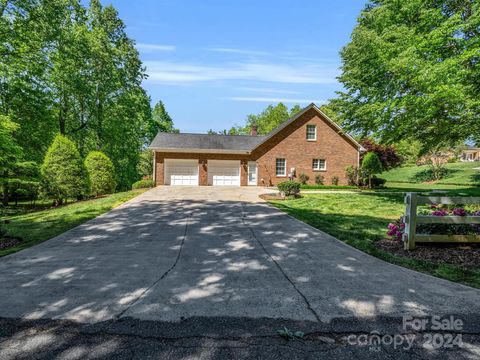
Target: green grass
{"x": 460, "y": 173}
{"x": 35, "y": 227}
{"x": 327, "y": 187}
{"x": 460, "y": 190}
{"x": 399, "y": 187}
{"x": 361, "y": 218}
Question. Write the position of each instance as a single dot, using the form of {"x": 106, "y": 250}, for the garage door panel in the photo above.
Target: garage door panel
{"x": 181, "y": 172}
{"x": 223, "y": 173}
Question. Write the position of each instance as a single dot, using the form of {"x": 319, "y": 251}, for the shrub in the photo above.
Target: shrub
{"x": 335, "y": 180}
{"x": 289, "y": 188}
{"x": 303, "y": 178}
{"x": 63, "y": 172}
{"x": 101, "y": 173}
{"x": 355, "y": 176}
{"x": 396, "y": 229}
{"x": 371, "y": 165}
{"x": 143, "y": 184}
{"x": 430, "y": 175}
{"x": 387, "y": 154}
{"x": 319, "y": 179}
{"x": 378, "y": 182}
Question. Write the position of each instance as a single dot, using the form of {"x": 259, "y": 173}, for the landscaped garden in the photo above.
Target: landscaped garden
{"x": 27, "y": 228}
{"x": 361, "y": 219}
{"x": 457, "y": 173}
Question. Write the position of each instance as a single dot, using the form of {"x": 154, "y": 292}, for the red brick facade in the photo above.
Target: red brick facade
{"x": 290, "y": 144}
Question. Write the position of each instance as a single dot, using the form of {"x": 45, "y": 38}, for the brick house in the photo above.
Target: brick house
{"x": 309, "y": 143}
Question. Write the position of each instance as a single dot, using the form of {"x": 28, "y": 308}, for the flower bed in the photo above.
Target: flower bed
{"x": 396, "y": 229}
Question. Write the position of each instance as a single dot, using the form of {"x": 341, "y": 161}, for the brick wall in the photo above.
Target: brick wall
{"x": 290, "y": 144}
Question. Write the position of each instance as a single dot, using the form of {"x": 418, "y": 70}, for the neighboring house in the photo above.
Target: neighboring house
{"x": 309, "y": 143}
{"x": 470, "y": 154}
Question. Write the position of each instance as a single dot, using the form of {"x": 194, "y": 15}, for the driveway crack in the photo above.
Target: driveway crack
{"x": 163, "y": 276}
{"x": 302, "y": 295}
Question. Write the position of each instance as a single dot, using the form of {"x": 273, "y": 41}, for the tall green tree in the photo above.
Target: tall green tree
{"x": 371, "y": 165}
{"x": 266, "y": 121}
{"x": 63, "y": 172}
{"x": 10, "y": 152}
{"x": 160, "y": 121}
{"x": 25, "y": 32}
{"x": 100, "y": 172}
{"x": 69, "y": 68}
{"x": 412, "y": 70}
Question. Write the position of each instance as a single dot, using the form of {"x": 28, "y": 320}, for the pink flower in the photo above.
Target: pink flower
{"x": 459, "y": 212}
{"x": 392, "y": 226}
{"x": 440, "y": 212}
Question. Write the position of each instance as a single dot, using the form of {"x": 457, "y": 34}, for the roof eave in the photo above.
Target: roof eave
{"x": 200, "y": 151}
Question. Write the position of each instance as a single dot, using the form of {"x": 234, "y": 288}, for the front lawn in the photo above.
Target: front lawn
{"x": 39, "y": 226}
{"x": 459, "y": 173}
{"x": 359, "y": 219}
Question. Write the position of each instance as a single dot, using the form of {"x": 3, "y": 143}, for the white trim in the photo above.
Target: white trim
{"x": 248, "y": 173}
{"x": 200, "y": 151}
{"x": 315, "y": 136}
{"x": 285, "y": 173}
{"x": 319, "y": 169}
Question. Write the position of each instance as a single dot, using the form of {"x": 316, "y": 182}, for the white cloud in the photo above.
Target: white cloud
{"x": 274, "y": 100}
{"x": 174, "y": 73}
{"x": 239, "y": 51}
{"x": 267, "y": 90}
{"x": 147, "y": 48}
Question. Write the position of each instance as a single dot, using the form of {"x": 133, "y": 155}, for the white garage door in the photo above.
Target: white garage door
{"x": 223, "y": 172}
{"x": 181, "y": 172}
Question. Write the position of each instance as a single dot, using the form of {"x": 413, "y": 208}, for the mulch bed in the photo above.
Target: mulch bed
{"x": 9, "y": 241}
{"x": 462, "y": 255}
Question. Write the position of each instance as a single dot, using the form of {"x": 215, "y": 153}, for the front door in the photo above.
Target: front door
{"x": 252, "y": 173}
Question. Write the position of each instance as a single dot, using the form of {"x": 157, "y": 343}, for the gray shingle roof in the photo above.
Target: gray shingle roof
{"x": 232, "y": 143}
{"x": 243, "y": 143}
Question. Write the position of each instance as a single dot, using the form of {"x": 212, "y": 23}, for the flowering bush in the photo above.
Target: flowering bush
{"x": 439, "y": 212}
{"x": 459, "y": 212}
{"x": 396, "y": 229}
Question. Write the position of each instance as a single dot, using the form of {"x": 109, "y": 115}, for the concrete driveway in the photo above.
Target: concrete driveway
{"x": 176, "y": 253}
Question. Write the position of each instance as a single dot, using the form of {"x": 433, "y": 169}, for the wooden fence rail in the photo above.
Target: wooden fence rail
{"x": 412, "y": 219}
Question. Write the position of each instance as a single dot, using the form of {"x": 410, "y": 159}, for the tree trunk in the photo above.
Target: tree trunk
{"x": 369, "y": 181}
{"x": 5, "y": 189}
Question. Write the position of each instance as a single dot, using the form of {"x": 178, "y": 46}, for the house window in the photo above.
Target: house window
{"x": 319, "y": 164}
{"x": 311, "y": 132}
{"x": 281, "y": 167}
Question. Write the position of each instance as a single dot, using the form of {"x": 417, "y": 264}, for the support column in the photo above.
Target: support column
{"x": 243, "y": 173}
{"x": 159, "y": 169}
{"x": 203, "y": 172}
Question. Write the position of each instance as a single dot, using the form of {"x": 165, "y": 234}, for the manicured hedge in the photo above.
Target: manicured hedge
{"x": 143, "y": 184}
{"x": 289, "y": 188}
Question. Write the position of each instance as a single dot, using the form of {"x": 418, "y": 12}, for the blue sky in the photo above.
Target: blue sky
{"x": 213, "y": 62}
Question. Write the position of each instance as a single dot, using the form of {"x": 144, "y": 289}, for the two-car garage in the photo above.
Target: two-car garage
{"x": 186, "y": 172}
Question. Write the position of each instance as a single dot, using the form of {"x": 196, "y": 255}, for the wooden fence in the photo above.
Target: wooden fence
{"x": 412, "y": 219}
